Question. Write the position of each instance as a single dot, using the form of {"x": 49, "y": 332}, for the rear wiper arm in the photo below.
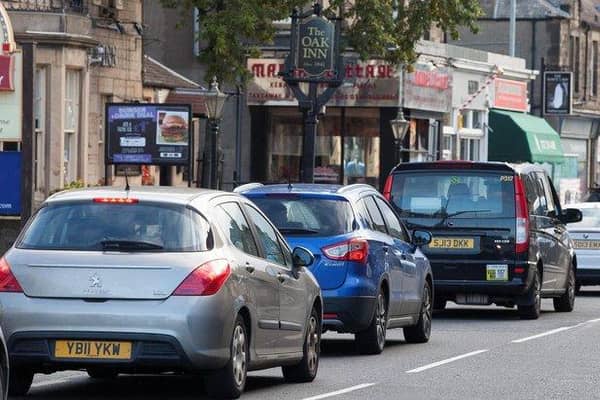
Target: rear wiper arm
{"x": 129, "y": 245}
{"x": 445, "y": 215}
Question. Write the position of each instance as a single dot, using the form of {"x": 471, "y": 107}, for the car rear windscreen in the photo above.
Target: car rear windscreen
{"x": 452, "y": 193}
{"x": 90, "y": 226}
{"x": 298, "y": 215}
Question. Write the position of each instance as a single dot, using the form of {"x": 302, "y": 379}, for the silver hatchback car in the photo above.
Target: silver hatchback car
{"x": 157, "y": 280}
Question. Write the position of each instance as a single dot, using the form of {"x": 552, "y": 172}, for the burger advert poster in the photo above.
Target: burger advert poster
{"x": 148, "y": 134}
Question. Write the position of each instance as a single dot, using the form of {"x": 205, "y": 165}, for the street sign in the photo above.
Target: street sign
{"x": 10, "y": 183}
{"x": 157, "y": 134}
{"x": 314, "y": 55}
{"x": 558, "y": 93}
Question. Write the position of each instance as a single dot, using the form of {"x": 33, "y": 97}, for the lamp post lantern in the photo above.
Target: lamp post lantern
{"x": 215, "y": 105}
{"x": 400, "y": 124}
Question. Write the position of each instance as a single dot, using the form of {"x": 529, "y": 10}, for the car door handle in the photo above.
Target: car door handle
{"x": 281, "y": 277}
{"x": 402, "y": 255}
{"x": 386, "y": 248}
{"x": 249, "y": 268}
{"x": 558, "y": 230}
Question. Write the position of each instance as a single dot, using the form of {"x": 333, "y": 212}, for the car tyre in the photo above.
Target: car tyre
{"x": 372, "y": 339}
{"x": 19, "y": 381}
{"x": 421, "y": 332}
{"x": 102, "y": 373}
{"x": 578, "y": 288}
{"x": 229, "y": 381}
{"x": 566, "y": 302}
{"x": 533, "y": 310}
{"x": 306, "y": 369}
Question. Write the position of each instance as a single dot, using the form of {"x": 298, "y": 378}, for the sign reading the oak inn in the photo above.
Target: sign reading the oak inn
{"x": 314, "y": 57}
{"x": 372, "y": 83}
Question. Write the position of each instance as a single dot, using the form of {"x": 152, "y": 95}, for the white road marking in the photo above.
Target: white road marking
{"x": 591, "y": 321}
{"x": 49, "y": 383}
{"x": 447, "y": 361}
{"x": 552, "y": 332}
{"x": 338, "y": 392}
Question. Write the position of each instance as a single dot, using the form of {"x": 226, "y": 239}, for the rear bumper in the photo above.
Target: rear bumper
{"x": 35, "y": 350}
{"x": 588, "y": 276}
{"x": 178, "y": 332}
{"x": 352, "y": 314}
{"x": 516, "y": 287}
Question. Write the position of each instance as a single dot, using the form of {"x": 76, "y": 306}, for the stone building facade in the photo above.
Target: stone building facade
{"x": 87, "y": 53}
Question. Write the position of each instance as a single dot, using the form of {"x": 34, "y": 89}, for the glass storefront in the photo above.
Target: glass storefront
{"x": 350, "y": 134}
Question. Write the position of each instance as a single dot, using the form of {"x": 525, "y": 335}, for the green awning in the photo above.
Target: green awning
{"x": 518, "y": 137}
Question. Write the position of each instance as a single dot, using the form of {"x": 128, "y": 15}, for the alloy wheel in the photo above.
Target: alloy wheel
{"x": 380, "y": 320}
{"x": 427, "y": 311}
{"x": 312, "y": 343}
{"x": 239, "y": 355}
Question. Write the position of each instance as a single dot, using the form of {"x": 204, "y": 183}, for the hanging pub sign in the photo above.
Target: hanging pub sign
{"x": 314, "y": 49}
{"x": 558, "y": 94}
{"x": 158, "y": 134}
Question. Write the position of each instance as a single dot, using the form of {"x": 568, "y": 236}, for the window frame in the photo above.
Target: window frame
{"x": 281, "y": 243}
{"x": 71, "y": 134}
{"x": 252, "y": 233}
{"x": 380, "y": 202}
{"x": 374, "y": 226}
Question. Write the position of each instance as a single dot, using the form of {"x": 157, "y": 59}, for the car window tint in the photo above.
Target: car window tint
{"x": 363, "y": 214}
{"x": 85, "y": 225}
{"x": 376, "y": 217}
{"x": 539, "y": 205}
{"x": 391, "y": 220}
{"x": 547, "y": 192}
{"x": 232, "y": 221}
{"x": 267, "y": 236}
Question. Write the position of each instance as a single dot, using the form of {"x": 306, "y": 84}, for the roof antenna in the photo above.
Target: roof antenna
{"x": 126, "y": 180}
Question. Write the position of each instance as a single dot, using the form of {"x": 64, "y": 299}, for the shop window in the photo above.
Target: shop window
{"x": 448, "y": 150}
{"x": 469, "y": 149}
{"x": 39, "y": 141}
{"x": 71, "y": 125}
{"x": 361, "y": 146}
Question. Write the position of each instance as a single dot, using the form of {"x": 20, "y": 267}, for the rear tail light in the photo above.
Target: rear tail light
{"x": 387, "y": 189}
{"x": 519, "y": 270}
{"x": 115, "y": 200}
{"x": 522, "y": 213}
{"x": 330, "y": 316}
{"x": 205, "y": 280}
{"x": 355, "y": 250}
{"x": 8, "y": 282}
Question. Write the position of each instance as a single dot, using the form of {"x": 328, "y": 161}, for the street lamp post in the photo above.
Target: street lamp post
{"x": 399, "y": 124}
{"x": 215, "y": 105}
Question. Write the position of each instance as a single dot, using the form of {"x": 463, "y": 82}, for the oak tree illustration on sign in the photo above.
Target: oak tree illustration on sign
{"x": 232, "y": 30}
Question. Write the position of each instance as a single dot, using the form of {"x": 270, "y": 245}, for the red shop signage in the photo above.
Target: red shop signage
{"x": 511, "y": 95}
{"x": 6, "y": 73}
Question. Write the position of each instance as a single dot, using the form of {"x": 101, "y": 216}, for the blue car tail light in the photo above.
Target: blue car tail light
{"x": 355, "y": 250}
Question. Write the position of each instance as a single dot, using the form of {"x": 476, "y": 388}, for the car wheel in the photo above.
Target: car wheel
{"x": 229, "y": 381}
{"x": 2, "y": 380}
{"x": 306, "y": 370}
{"x": 102, "y": 373}
{"x": 566, "y": 302}
{"x": 19, "y": 381}
{"x": 420, "y": 332}
{"x": 372, "y": 340}
{"x": 578, "y": 288}
{"x": 533, "y": 310}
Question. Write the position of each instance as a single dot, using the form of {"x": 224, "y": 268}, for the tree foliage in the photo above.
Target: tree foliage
{"x": 232, "y": 30}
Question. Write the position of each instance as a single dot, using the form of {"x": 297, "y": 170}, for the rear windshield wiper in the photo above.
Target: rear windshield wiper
{"x": 129, "y": 245}
{"x": 445, "y": 215}
{"x": 409, "y": 213}
{"x": 299, "y": 231}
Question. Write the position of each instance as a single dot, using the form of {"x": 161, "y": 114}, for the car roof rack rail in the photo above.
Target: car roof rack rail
{"x": 247, "y": 186}
{"x": 354, "y": 186}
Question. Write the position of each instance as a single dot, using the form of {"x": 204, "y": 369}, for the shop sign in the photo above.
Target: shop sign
{"x": 510, "y": 95}
{"x": 6, "y": 73}
{"x": 428, "y": 90}
{"x": 314, "y": 56}
{"x": 372, "y": 83}
{"x": 558, "y": 93}
{"x": 158, "y": 134}
{"x": 10, "y": 182}
{"x": 11, "y": 104}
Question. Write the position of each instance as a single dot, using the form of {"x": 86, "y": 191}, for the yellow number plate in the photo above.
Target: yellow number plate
{"x": 587, "y": 244}
{"x": 452, "y": 243}
{"x": 92, "y": 349}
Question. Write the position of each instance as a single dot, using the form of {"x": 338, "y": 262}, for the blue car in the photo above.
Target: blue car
{"x": 371, "y": 270}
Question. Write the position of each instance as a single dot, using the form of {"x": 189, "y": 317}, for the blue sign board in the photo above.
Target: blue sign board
{"x": 10, "y": 183}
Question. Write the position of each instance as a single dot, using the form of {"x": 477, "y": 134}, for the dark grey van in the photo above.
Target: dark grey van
{"x": 499, "y": 234}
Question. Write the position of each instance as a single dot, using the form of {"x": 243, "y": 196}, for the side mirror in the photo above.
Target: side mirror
{"x": 421, "y": 238}
{"x": 571, "y": 215}
{"x": 301, "y": 257}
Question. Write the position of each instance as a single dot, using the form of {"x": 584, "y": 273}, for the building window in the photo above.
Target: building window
{"x": 39, "y": 140}
{"x": 575, "y": 63}
{"x": 469, "y": 149}
{"x": 448, "y": 151}
{"x": 595, "y": 68}
{"x": 71, "y": 124}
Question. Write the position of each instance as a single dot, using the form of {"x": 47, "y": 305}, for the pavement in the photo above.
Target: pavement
{"x": 474, "y": 353}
